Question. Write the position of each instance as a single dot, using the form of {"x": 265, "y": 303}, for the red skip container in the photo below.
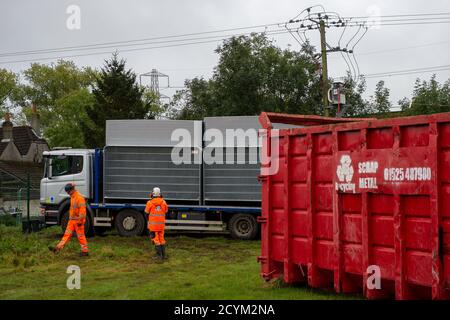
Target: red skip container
{"x": 348, "y": 202}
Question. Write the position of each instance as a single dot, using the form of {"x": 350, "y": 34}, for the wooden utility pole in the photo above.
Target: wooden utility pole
{"x": 323, "y": 45}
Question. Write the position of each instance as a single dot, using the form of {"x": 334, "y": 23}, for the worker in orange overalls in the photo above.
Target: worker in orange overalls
{"x": 77, "y": 218}
{"x": 156, "y": 209}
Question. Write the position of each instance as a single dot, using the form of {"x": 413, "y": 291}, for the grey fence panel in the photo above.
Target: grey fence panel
{"x": 232, "y": 182}
{"x": 235, "y": 181}
{"x": 132, "y": 172}
{"x": 153, "y": 133}
{"x": 137, "y": 158}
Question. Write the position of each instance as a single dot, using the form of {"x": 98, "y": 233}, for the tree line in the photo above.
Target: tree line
{"x": 252, "y": 75}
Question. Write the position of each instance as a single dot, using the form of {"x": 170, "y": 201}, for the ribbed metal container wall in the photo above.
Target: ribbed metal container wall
{"x": 138, "y": 157}
{"x": 236, "y": 181}
{"x": 354, "y": 201}
{"x": 132, "y": 172}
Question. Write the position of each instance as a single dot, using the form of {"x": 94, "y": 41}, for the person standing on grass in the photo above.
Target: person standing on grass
{"x": 156, "y": 209}
{"x": 77, "y": 218}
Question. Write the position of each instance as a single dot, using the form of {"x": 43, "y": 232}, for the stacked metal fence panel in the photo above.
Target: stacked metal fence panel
{"x": 223, "y": 154}
{"x": 356, "y": 202}
{"x": 140, "y": 155}
{"x": 233, "y": 182}
{"x": 231, "y": 159}
{"x": 132, "y": 172}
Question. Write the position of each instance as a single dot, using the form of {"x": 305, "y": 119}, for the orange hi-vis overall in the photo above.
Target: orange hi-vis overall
{"x": 77, "y": 218}
{"x": 157, "y": 209}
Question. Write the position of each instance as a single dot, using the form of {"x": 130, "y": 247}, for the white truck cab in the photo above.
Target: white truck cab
{"x": 61, "y": 167}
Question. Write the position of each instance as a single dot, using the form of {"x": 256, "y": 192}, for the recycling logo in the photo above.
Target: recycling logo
{"x": 345, "y": 169}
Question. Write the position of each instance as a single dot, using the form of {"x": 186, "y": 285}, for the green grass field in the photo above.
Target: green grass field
{"x": 120, "y": 268}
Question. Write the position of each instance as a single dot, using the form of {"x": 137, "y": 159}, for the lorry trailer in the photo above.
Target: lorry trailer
{"x": 203, "y": 196}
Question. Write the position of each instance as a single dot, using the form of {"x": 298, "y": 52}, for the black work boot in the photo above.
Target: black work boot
{"x": 157, "y": 253}
{"x": 84, "y": 254}
{"x": 163, "y": 252}
{"x": 53, "y": 249}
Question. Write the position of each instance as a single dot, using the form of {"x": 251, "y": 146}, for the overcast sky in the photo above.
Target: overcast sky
{"x": 34, "y": 25}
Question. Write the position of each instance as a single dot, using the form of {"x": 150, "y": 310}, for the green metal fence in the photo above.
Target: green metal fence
{"x": 21, "y": 208}
{"x": 24, "y": 207}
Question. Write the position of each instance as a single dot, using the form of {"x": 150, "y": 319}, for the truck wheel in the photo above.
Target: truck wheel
{"x": 243, "y": 226}
{"x": 65, "y": 221}
{"x": 130, "y": 223}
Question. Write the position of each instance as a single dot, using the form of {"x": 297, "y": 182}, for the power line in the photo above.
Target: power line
{"x": 418, "y": 69}
{"x": 404, "y": 15}
{"x": 382, "y": 24}
{"x": 127, "y": 50}
{"x": 131, "y": 42}
{"x": 350, "y": 20}
{"x": 407, "y": 71}
{"x": 337, "y": 21}
{"x": 397, "y": 20}
{"x": 178, "y": 40}
{"x": 403, "y": 48}
{"x": 359, "y": 54}
{"x": 141, "y": 44}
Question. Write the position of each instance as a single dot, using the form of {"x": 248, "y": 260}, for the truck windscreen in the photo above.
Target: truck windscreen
{"x": 63, "y": 165}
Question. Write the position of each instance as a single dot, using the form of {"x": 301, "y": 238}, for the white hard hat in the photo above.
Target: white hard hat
{"x": 156, "y": 192}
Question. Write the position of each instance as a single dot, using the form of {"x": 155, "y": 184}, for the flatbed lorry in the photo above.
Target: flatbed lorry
{"x": 117, "y": 180}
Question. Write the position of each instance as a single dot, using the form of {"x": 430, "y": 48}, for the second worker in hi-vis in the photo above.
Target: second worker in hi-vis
{"x": 156, "y": 209}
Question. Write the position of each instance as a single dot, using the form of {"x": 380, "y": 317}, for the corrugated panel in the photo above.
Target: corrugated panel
{"x": 137, "y": 158}
{"x": 132, "y": 172}
{"x": 151, "y": 133}
{"x": 235, "y": 179}
{"x": 232, "y": 182}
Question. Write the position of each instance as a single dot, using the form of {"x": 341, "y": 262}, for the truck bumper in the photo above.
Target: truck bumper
{"x": 50, "y": 215}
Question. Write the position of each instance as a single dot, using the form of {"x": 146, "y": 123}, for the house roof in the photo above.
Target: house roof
{"x": 3, "y": 146}
{"x": 23, "y": 137}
